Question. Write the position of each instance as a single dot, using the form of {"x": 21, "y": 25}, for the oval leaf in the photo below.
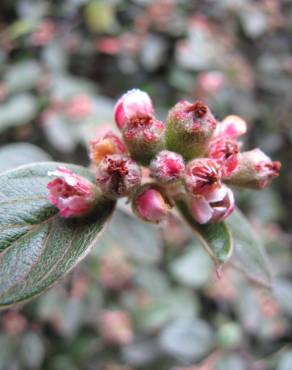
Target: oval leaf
{"x": 215, "y": 238}
{"x": 249, "y": 255}
{"x": 37, "y": 247}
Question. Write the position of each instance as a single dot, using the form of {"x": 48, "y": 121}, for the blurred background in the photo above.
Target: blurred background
{"x": 148, "y": 297}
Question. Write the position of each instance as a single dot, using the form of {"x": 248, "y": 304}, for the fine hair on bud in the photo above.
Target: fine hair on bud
{"x": 167, "y": 167}
{"x": 189, "y": 127}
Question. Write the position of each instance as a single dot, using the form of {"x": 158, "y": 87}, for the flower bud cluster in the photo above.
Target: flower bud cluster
{"x": 191, "y": 156}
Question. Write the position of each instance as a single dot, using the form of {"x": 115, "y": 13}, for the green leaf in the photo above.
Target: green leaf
{"x": 215, "y": 238}
{"x": 22, "y": 76}
{"x": 39, "y": 247}
{"x": 193, "y": 268}
{"x": 187, "y": 338}
{"x": 14, "y": 155}
{"x": 17, "y": 111}
{"x": 249, "y": 254}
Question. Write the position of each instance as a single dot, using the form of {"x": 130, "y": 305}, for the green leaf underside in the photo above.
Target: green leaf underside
{"x": 37, "y": 246}
{"x": 215, "y": 238}
{"x": 249, "y": 255}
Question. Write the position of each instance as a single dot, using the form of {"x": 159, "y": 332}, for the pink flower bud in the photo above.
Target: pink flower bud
{"x": 255, "y": 170}
{"x": 118, "y": 175}
{"x": 225, "y": 151}
{"x": 107, "y": 144}
{"x": 115, "y": 327}
{"x": 189, "y": 127}
{"x": 135, "y": 103}
{"x": 203, "y": 175}
{"x": 72, "y": 194}
{"x": 151, "y": 204}
{"x": 231, "y": 127}
{"x": 214, "y": 206}
{"x": 167, "y": 167}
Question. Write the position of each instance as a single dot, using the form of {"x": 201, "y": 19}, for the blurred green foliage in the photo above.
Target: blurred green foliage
{"x": 62, "y": 65}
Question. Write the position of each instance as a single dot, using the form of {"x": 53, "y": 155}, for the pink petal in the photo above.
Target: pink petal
{"x": 201, "y": 209}
{"x": 232, "y": 126}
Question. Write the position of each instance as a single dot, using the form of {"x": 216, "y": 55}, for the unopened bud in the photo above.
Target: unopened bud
{"x": 255, "y": 170}
{"x": 142, "y": 132}
{"x": 214, "y": 206}
{"x": 189, "y": 128}
{"x": 144, "y": 137}
{"x": 225, "y": 151}
{"x": 104, "y": 145}
{"x": 167, "y": 167}
{"x": 151, "y": 204}
{"x": 115, "y": 327}
{"x": 118, "y": 175}
{"x": 134, "y": 103}
{"x": 203, "y": 175}
{"x": 72, "y": 194}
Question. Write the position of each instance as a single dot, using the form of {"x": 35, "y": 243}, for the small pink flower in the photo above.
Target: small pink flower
{"x": 151, "y": 205}
{"x": 167, "y": 167}
{"x": 264, "y": 168}
{"x": 118, "y": 175}
{"x": 73, "y": 195}
{"x": 231, "y": 127}
{"x": 225, "y": 151}
{"x": 79, "y": 107}
{"x": 115, "y": 327}
{"x": 135, "y": 103}
{"x": 214, "y": 206}
{"x": 255, "y": 170}
{"x": 203, "y": 175}
{"x": 106, "y": 144}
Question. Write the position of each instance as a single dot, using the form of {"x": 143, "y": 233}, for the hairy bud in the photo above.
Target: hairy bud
{"x": 151, "y": 204}
{"x": 134, "y": 103}
{"x": 167, "y": 167}
{"x": 203, "y": 175}
{"x": 118, "y": 175}
{"x": 214, "y": 206}
{"x": 225, "y": 151}
{"x": 144, "y": 137}
{"x": 104, "y": 145}
{"x": 255, "y": 170}
{"x": 142, "y": 132}
{"x": 189, "y": 128}
{"x": 72, "y": 194}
